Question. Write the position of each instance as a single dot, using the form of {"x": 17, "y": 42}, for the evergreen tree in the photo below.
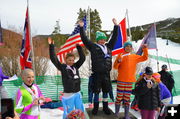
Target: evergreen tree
{"x": 56, "y": 28}
{"x": 95, "y": 21}
{"x": 58, "y": 38}
{"x": 81, "y": 14}
{"x": 137, "y": 33}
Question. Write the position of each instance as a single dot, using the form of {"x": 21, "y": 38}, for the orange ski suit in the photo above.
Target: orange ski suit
{"x": 126, "y": 63}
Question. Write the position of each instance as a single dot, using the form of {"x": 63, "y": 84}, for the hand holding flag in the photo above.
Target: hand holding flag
{"x": 50, "y": 41}
{"x": 81, "y": 23}
{"x": 114, "y": 21}
{"x": 72, "y": 40}
{"x": 144, "y": 46}
{"x": 122, "y": 37}
{"x": 149, "y": 39}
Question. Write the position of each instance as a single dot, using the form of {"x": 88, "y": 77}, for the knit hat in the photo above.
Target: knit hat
{"x": 148, "y": 71}
{"x": 164, "y": 66}
{"x": 157, "y": 76}
{"x": 127, "y": 43}
{"x": 100, "y": 35}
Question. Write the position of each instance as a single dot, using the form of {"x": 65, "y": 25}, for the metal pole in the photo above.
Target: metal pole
{"x": 168, "y": 63}
{"x": 89, "y": 36}
{"x": 32, "y": 49}
{"x": 157, "y": 60}
{"x": 156, "y": 47}
{"x": 89, "y": 30}
{"x": 129, "y": 29}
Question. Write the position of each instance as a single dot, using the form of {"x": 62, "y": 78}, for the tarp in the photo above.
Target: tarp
{"x": 164, "y": 59}
{"x": 52, "y": 85}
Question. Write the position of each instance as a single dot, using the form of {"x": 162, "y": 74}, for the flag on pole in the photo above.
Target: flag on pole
{"x": 1, "y": 38}
{"x": 25, "y": 55}
{"x": 149, "y": 39}
{"x": 71, "y": 42}
{"x": 122, "y": 38}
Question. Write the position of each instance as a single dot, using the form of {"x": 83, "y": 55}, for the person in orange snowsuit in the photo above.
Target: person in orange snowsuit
{"x": 126, "y": 63}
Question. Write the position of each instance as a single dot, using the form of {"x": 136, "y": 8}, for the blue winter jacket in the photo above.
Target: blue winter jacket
{"x": 164, "y": 91}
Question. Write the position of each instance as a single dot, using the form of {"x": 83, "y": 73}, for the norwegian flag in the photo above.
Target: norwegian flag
{"x": 71, "y": 42}
{"x": 25, "y": 55}
{"x": 122, "y": 38}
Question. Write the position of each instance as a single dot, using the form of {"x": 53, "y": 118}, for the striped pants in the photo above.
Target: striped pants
{"x": 124, "y": 90}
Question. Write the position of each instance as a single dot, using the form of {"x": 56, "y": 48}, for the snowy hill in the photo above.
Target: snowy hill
{"x": 164, "y": 50}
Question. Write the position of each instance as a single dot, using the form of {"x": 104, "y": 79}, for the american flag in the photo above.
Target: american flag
{"x": 1, "y": 39}
{"x": 25, "y": 59}
{"x": 71, "y": 42}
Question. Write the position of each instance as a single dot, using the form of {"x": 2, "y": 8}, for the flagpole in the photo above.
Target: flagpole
{"x": 156, "y": 48}
{"x": 129, "y": 29}
{"x": 32, "y": 49}
{"x": 89, "y": 30}
{"x": 89, "y": 36}
{"x": 1, "y": 37}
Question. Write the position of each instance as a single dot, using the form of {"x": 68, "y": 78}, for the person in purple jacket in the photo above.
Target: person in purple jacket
{"x": 165, "y": 95}
{"x": 3, "y": 92}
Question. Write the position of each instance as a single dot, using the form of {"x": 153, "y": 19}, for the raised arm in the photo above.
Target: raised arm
{"x": 81, "y": 56}
{"x": 52, "y": 54}
{"x": 145, "y": 54}
{"x": 113, "y": 39}
{"x": 84, "y": 38}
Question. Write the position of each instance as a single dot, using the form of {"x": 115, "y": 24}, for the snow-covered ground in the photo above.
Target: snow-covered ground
{"x": 58, "y": 114}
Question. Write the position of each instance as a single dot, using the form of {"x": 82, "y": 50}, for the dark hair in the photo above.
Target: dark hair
{"x": 70, "y": 55}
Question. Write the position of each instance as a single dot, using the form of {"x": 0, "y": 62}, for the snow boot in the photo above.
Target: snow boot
{"x": 126, "y": 108}
{"x": 95, "y": 109}
{"x": 106, "y": 108}
{"x": 117, "y": 108}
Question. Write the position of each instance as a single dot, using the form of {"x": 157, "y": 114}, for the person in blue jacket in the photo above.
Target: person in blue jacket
{"x": 165, "y": 95}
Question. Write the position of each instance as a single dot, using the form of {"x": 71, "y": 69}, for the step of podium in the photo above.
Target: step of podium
{"x": 102, "y": 115}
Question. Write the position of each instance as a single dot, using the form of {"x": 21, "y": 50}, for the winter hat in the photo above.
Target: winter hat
{"x": 148, "y": 71}
{"x": 127, "y": 43}
{"x": 164, "y": 66}
{"x": 157, "y": 76}
{"x": 100, "y": 35}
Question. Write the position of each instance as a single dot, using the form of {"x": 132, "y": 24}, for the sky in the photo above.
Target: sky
{"x": 45, "y": 13}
